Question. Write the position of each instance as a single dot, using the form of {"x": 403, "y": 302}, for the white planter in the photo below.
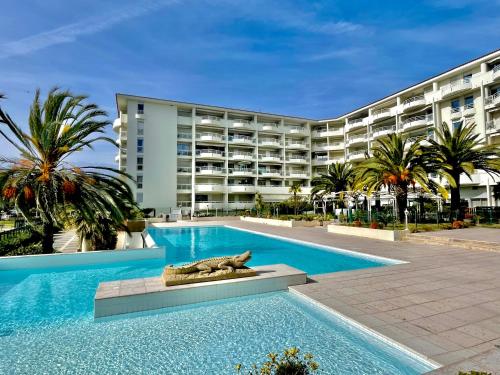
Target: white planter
{"x": 280, "y": 223}
{"x": 376, "y": 234}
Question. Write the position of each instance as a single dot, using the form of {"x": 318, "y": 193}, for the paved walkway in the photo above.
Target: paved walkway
{"x": 474, "y": 234}
{"x": 66, "y": 242}
{"x": 444, "y": 303}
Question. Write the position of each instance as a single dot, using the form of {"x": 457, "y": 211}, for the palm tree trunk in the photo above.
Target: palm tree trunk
{"x": 455, "y": 212}
{"x": 402, "y": 202}
{"x": 48, "y": 238}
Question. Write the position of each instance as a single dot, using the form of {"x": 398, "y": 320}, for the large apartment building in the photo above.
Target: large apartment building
{"x": 202, "y": 157}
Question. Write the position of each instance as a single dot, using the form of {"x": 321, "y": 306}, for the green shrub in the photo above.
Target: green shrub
{"x": 22, "y": 243}
{"x": 289, "y": 363}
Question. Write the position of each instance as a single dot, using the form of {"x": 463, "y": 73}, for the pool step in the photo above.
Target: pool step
{"x": 135, "y": 295}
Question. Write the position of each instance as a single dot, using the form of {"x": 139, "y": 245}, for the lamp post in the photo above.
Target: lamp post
{"x": 406, "y": 218}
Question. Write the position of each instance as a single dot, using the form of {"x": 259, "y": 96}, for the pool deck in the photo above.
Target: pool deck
{"x": 444, "y": 303}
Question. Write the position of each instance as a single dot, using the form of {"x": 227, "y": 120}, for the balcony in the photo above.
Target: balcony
{"x": 210, "y": 170}
{"x": 184, "y": 170}
{"x": 139, "y": 115}
{"x": 469, "y": 110}
{"x": 324, "y": 132}
{"x": 294, "y": 143}
{"x": 493, "y": 127}
{"x": 381, "y": 114}
{"x": 270, "y": 158}
{"x": 297, "y": 159}
{"x": 355, "y": 124}
{"x": 211, "y": 121}
{"x": 456, "y": 113}
{"x": 296, "y": 130}
{"x": 320, "y": 160}
{"x": 184, "y": 136}
{"x": 495, "y": 73}
{"x": 241, "y": 188}
{"x": 117, "y": 123}
{"x": 244, "y": 172}
{"x": 242, "y": 124}
{"x": 184, "y": 120}
{"x": 416, "y": 122}
{"x": 270, "y": 142}
{"x": 183, "y": 188}
{"x": 184, "y": 153}
{"x": 297, "y": 174}
{"x": 210, "y": 154}
{"x": 456, "y": 87}
{"x": 492, "y": 101}
{"x": 241, "y": 139}
{"x": 209, "y": 188}
{"x": 357, "y": 140}
{"x": 269, "y": 126}
{"x": 210, "y": 137}
{"x": 384, "y": 130}
{"x": 356, "y": 155}
{"x": 240, "y": 155}
{"x": 414, "y": 103}
{"x": 241, "y": 205}
{"x": 212, "y": 205}
{"x": 270, "y": 173}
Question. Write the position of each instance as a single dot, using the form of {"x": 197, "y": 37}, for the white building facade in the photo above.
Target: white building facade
{"x": 202, "y": 157}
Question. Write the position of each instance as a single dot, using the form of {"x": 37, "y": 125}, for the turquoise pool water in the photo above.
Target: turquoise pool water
{"x": 191, "y": 243}
{"x": 47, "y": 327}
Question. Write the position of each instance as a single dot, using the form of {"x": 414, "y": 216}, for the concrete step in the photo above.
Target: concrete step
{"x": 455, "y": 242}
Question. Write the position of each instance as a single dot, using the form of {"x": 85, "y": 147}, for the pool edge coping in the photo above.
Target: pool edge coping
{"x": 372, "y": 332}
{"x": 385, "y": 260}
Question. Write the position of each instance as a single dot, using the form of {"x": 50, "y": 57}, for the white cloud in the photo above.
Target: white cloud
{"x": 69, "y": 33}
{"x": 340, "y": 53}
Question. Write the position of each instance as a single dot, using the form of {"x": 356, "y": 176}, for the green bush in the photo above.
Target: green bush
{"x": 22, "y": 243}
{"x": 289, "y": 363}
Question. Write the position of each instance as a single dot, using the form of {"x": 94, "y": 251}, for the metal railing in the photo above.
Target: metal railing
{"x": 210, "y": 151}
{"x": 275, "y": 156}
{"x": 213, "y": 135}
{"x": 183, "y": 186}
{"x": 245, "y": 170}
{"x": 184, "y": 169}
{"x": 237, "y": 138}
{"x": 273, "y": 171}
{"x": 184, "y": 153}
{"x": 412, "y": 119}
{"x": 413, "y": 99}
{"x": 236, "y": 154}
{"x": 492, "y": 98}
{"x": 213, "y": 169}
{"x": 184, "y": 135}
{"x": 381, "y": 111}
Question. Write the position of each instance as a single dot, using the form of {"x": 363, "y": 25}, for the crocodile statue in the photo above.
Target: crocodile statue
{"x": 206, "y": 266}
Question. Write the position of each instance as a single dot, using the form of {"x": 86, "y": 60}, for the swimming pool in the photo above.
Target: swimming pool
{"x": 47, "y": 326}
{"x": 186, "y": 244}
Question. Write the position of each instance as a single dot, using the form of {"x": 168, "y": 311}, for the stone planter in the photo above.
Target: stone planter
{"x": 136, "y": 225}
{"x": 376, "y": 234}
{"x": 281, "y": 223}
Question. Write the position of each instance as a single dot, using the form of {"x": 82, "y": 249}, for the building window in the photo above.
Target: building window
{"x": 139, "y": 197}
{"x": 469, "y": 102}
{"x": 140, "y": 163}
{"x": 467, "y": 77}
{"x": 140, "y": 127}
{"x": 455, "y": 104}
{"x": 139, "y": 182}
{"x": 140, "y": 146}
{"x": 140, "y": 108}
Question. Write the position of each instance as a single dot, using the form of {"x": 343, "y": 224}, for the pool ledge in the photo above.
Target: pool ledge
{"x": 135, "y": 295}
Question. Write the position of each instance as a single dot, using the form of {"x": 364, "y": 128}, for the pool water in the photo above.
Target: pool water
{"x": 187, "y": 244}
{"x": 47, "y": 327}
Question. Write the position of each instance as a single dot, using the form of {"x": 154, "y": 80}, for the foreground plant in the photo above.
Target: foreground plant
{"x": 41, "y": 183}
{"x": 338, "y": 179}
{"x": 289, "y": 363}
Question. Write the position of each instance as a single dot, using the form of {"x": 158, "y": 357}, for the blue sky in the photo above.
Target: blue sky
{"x": 315, "y": 59}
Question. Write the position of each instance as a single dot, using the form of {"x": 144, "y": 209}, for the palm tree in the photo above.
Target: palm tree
{"x": 41, "y": 182}
{"x": 338, "y": 179}
{"x": 461, "y": 151}
{"x": 259, "y": 203}
{"x": 396, "y": 169}
{"x": 295, "y": 189}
